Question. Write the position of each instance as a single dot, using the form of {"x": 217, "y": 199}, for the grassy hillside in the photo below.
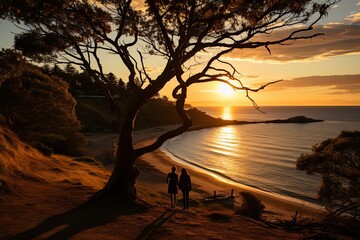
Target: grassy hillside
{"x": 21, "y": 164}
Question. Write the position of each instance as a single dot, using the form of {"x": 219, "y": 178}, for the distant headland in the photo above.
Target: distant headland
{"x": 201, "y": 120}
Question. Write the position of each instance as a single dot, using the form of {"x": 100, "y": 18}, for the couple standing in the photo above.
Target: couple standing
{"x": 184, "y": 184}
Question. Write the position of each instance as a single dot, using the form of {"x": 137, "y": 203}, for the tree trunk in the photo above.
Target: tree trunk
{"x": 122, "y": 181}
{"x": 121, "y": 184}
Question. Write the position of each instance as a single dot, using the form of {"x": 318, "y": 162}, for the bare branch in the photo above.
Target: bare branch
{"x": 180, "y": 102}
{"x": 143, "y": 67}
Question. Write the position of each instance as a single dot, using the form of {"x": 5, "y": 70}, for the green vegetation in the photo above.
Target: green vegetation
{"x": 338, "y": 162}
{"x": 39, "y": 108}
{"x": 95, "y": 114}
{"x": 157, "y": 112}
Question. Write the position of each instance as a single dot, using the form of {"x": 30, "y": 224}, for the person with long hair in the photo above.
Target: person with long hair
{"x": 172, "y": 180}
{"x": 185, "y": 186}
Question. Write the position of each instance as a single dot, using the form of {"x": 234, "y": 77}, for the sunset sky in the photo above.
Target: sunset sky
{"x": 321, "y": 71}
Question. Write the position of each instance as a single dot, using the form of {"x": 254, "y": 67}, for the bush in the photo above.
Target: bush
{"x": 89, "y": 160}
{"x": 337, "y": 160}
{"x": 251, "y": 206}
{"x": 47, "y": 151}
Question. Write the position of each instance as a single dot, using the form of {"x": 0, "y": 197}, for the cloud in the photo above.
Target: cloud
{"x": 354, "y": 18}
{"x": 336, "y": 84}
{"x": 338, "y": 39}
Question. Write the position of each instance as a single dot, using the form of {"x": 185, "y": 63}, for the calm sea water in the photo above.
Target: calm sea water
{"x": 262, "y": 156}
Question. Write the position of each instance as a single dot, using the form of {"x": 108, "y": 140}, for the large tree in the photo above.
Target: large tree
{"x": 191, "y": 37}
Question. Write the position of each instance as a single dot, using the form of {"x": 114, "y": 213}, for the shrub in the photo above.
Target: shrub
{"x": 47, "y": 151}
{"x": 251, "y": 206}
{"x": 338, "y": 162}
{"x": 89, "y": 160}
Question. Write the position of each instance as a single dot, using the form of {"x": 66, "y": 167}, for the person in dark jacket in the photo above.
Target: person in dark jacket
{"x": 185, "y": 187}
{"x": 172, "y": 180}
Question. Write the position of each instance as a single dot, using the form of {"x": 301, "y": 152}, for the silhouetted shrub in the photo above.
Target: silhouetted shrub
{"x": 5, "y": 188}
{"x": 251, "y": 206}
{"x": 89, "y": 160}
{"x": 337, "y": 160}
{"x": 47, "y": 151}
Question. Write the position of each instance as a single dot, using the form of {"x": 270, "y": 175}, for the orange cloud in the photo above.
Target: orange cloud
{"x": 339, "y": 39}
{"x": 336, "y": 84}
{"x": 354, "y": 17}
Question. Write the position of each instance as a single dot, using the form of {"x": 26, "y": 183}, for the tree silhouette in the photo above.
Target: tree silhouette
{"x": 191, "y": 37}
{"x": 338, "y": 162}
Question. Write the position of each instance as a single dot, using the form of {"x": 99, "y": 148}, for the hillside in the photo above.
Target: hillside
{"x": 95, "y": 114}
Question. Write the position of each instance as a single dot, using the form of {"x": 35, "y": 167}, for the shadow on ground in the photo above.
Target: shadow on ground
{"x": 86, "y": 216}
{"x": 151, "y": 229}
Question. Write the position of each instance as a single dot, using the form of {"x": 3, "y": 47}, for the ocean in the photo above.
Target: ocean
{"x": 262, "y": 156}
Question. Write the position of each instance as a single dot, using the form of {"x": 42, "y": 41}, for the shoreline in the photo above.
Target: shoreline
{"x": 231, "y": 182}
{"x": 205, "y": 183}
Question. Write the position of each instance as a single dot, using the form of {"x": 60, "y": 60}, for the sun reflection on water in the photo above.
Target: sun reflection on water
{"x": 226, "y": 144}
{"x": 227, "y": 113}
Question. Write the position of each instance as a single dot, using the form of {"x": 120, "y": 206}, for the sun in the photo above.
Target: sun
{"x": 225, "y": 90}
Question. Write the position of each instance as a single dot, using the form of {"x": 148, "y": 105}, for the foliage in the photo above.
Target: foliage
{"x": 47, "y": 151}
{"x": 11, "y": 64}
{"x": 251, "y": 206}
{"x": 95, "y": 114}
{"x": 338, "y": 162}
{"x": 165, "y": 114}
{"x": 40, "y": 110}
{"x": 31, "y": 44}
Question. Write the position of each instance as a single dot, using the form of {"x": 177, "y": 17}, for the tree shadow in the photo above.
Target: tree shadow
{"x": 151, "y": 229}
{"x": 86, "y": 216}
